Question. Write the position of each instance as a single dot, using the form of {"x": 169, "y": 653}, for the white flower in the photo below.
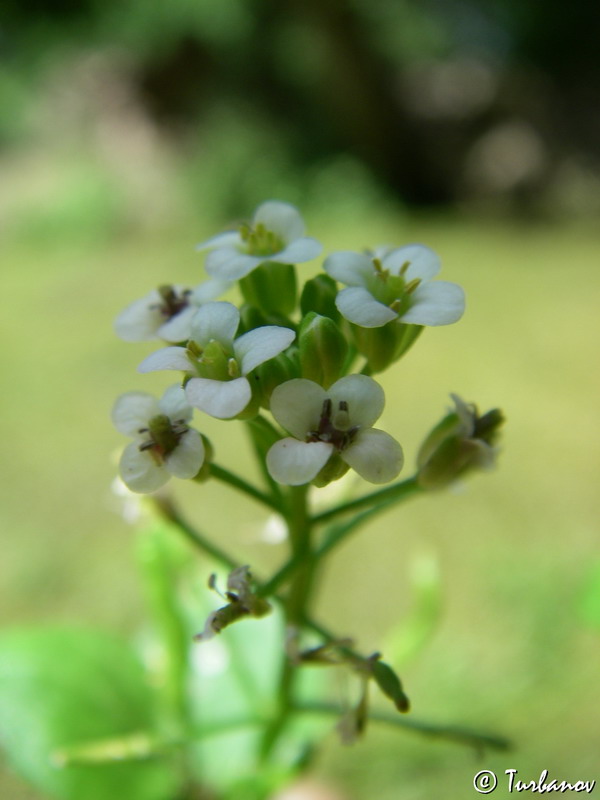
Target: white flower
{"x": 394, "y": 283}
{"x": 218, "y": 363}
{"x": 323, "y": 422}
{"x": 167, "y": 312}
{"x": 164, "y": 445}
{"x": 276, "y": 233}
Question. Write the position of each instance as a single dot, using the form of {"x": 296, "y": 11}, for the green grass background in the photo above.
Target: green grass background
{"x": 516, "y": 649}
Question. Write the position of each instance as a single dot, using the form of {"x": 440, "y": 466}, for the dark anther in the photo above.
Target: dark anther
{"x": 172, "y": 303}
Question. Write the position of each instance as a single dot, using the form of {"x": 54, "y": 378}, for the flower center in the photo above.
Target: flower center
{"x": 171, "y": 302}
{"x": 392, "y": 290}
{"x": 163, "y": 436}
{"x": 213, "y": 361}
{"x": 334, "y": 426}
{"x": 259, "y": 241}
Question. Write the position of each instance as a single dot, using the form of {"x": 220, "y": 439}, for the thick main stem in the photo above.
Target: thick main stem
{"x": 295, "y": 607}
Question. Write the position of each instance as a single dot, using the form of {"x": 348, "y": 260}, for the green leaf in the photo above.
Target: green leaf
{"x": 64, "y": 688}
{"x": 390, "y": 685}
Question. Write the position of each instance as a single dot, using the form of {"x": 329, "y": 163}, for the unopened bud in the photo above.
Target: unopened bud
{"x": 323, "y": 349}
{"x": 319, "y": 295}
{"x": 266, "y": 377}
{"x": 271, "y": 288}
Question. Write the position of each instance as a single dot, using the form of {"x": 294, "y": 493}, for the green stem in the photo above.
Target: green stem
{"x": 262, "y": 435}
{"x": 168, "y": 510}
{"x": 449, "y": 732}
{"x": 395, "y": 493}
{"x": 225, "y": 476}
{"x": 294, "y": 604}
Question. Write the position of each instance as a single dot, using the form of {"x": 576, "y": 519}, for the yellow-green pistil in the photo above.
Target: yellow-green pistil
{"x": 392, "y": 290}
{"x": 259, "y": 241}
{"x": 213, "y": 361}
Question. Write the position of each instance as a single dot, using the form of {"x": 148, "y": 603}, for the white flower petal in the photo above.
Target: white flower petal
{"x": 261, "y": 344}
{"x": 299, "y": 251}
{"x": 436, "y": 303}
{"x": 281, "y": 218}
{"x": 424, "y": 262}
{"x": 217, "y": 321}
{"x": 140, "y": 321}
{"x": 353, "y": 269}
{"x": 179, "y": 327}
{"x": 229, "y": 264}
{"x": 210, "y": 290}
{"x": 174, "y": 404}
{"x": 293, "y": 463}
{"x": 220, "y": 399}
{"x": 132, "y": 411}
{"x": 297, "y": 406}
{"x": 139, "y": 471}
{"x": 364, "y": 396}
{"x": 226, "y": 239}
{"x": 360, "y": 307}
{"x": 375, "y": 455}
{"x": 187, "y": 458}
{"x": 167, "y": 358}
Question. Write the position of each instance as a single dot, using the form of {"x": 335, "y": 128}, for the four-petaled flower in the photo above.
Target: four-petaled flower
{"x": 324, "y": 423}
{"x": 167, "y": 312}
{"x": 217, "y": 363}
{"x": 164, "y": 444}
{"x": 394, "y": 283}
{"x": 276, "y": 233}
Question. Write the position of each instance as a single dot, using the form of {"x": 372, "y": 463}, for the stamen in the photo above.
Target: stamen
{"x": 412, "y": 285}
{"x": 380, "y": 272}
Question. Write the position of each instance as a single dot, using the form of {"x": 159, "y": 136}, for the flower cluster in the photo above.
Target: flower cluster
{"x": 288, "y": 354}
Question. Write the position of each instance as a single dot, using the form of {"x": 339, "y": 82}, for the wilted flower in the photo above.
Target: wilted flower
{"x": 333, "y": 422}
{"x": 218, "y": 363}
{"x": 163, "y": 443}
{"x": 276, "y": 233}
{"x": 394, "y": 284}
{"x": 461, "y": 442}
{"x": 242, "y": 601}
{"x": 167, "y": 312}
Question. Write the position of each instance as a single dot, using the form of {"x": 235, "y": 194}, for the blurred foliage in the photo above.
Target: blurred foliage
{"x": 442, "y": 102}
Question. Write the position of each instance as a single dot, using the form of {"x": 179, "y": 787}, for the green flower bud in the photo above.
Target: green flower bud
{"x": 390, "y": 685}
{"x": 462, "y": 441}
{"x": 252, "y": 317}
{"x": 385, "y": 345}
{"x": 323, "y": 348}
{"x": 271, "y": 373}
{"x": 271, "y": 288}
{"x": 209, "y": 454}
{"x": 319, "y": 295}
{"x": 333, "y": 470}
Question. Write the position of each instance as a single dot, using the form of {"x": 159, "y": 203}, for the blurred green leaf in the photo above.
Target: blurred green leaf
{"x": 589, "y": 599}
{"x": 63, "y": 687}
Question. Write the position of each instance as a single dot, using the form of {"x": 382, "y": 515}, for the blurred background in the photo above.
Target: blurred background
{"x": 130, "y": 130}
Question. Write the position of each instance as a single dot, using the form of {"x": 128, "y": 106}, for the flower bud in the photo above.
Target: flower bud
{"x": 333, "y": 470}
{"x": 319, "y": 295}
{"x": 323, "y": 349}
{"x": 271, "y": 373}
{"x": 271, "y": 288}
{"x": 460, "y": 442}
{"x": 386, "y": 344}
